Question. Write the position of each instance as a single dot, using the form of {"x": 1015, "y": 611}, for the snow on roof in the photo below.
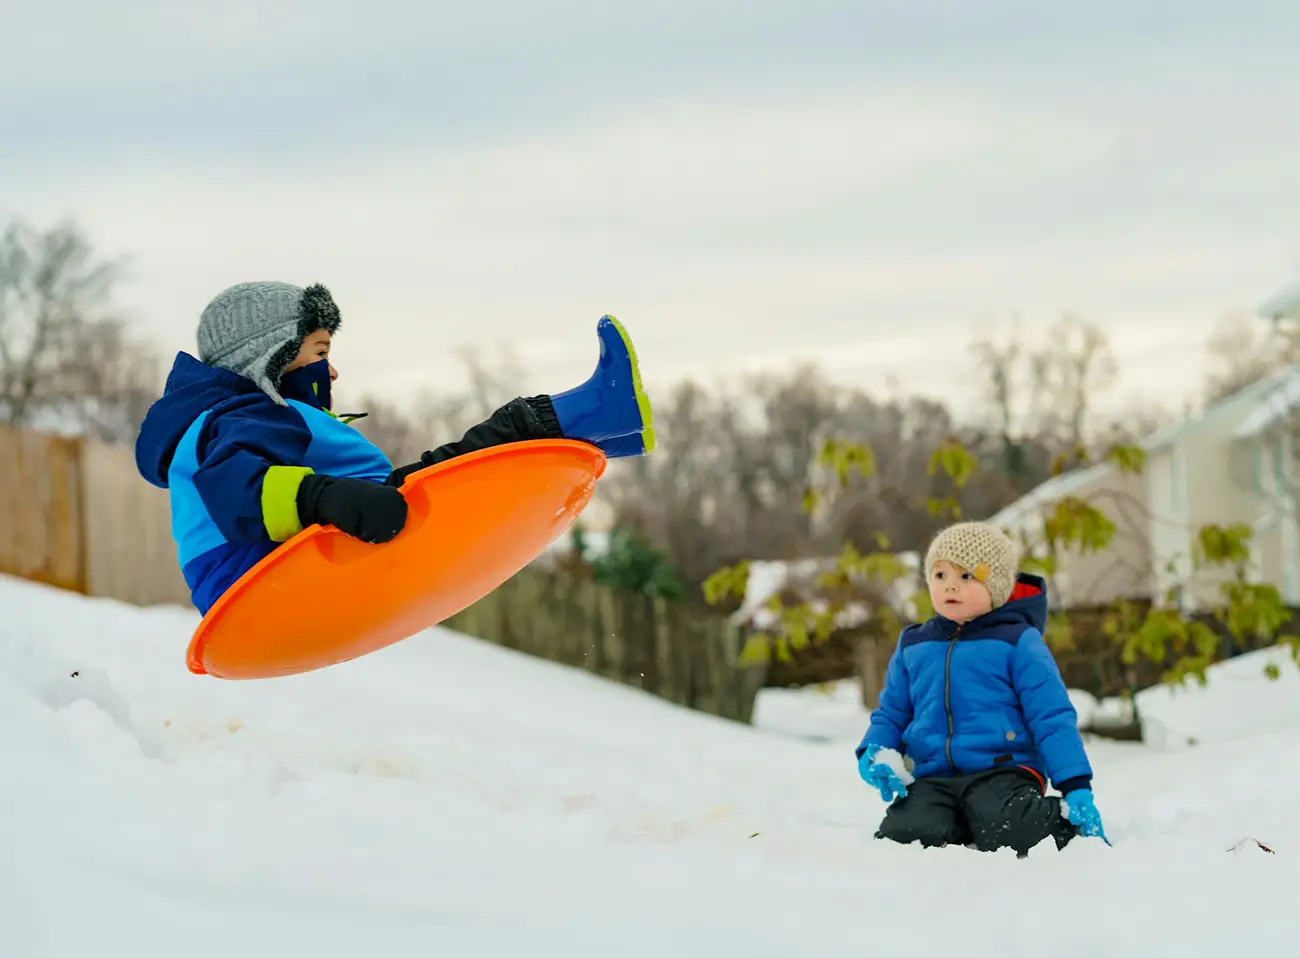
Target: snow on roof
{"x": 1278, "y": 404}
{"x": 1255, "y": 393}
{"x": 1284, "y": 305}
{"x": 1263, "y": 391}
{"x": 769, "y": 577}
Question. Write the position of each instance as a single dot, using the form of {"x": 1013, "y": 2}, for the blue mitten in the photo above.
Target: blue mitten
{"x": 1081, "y": 812}
{"x": 881, "y": 776}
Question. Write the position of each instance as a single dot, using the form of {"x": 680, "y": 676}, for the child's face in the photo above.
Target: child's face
{"x": 314, "y": 348}
{"x": 956, "y": 594}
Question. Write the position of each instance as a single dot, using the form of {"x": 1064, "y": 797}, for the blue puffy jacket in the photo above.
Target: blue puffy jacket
{"x": 960, "y": 699}
{"x": 232, "y": 459}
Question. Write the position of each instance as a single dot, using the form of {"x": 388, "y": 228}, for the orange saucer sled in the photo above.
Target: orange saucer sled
{"x": 324, "y": 597}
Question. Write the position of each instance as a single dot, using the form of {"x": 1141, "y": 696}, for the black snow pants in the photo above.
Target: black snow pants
{"x": 519, "y": 420}
{"x": 999, "y": 808}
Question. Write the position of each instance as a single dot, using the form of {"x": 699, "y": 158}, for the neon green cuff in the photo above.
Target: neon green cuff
{"x": 280, "y": 501}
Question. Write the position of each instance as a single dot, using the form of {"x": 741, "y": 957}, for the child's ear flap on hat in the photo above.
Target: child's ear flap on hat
{"x": 280, "y": 360}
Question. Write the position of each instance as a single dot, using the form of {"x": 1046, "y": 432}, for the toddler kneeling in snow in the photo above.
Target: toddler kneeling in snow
{"x": 974, "y": 698}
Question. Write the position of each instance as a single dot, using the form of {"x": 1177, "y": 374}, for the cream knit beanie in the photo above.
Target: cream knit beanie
{"x": 982, "y": 550}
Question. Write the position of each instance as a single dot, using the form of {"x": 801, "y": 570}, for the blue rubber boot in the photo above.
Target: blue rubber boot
{"x": 611, "y": 404}
{"x": 619, "y": 447}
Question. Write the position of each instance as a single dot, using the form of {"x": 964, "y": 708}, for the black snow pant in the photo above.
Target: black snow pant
{"x": 999, "y": 808}
{"x": 519, "y": 420}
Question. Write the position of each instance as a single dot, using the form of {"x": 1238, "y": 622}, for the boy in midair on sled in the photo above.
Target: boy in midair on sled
{"x": 974, "y": 698}
{"x": 245, "y": 439}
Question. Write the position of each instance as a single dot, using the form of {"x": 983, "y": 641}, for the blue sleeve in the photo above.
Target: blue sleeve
{"x": 1048, "y": 711}
{"x": 894, "y": 713}
{"x": 250, "y": 466}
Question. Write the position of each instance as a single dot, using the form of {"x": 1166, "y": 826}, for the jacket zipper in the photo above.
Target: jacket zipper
{"x": 947, "y": 696}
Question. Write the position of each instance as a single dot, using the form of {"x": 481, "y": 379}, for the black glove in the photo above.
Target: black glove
{"x": 398, "y": 475}
{"x": 364, "y": 510}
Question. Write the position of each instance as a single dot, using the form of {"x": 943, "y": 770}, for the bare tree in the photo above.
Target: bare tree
{"x": 120, "y": 377}
{"x": 67, "y": 360}
{"x": 389, "y": 426}
{"x": 1044, "y": 387}
{"x": 901, "y": 434}
{"x": 51, "y": 288}
{"x": 433, "y": 417}
{"x": 1004, "y": 387}
{"x": 491, "y": 383}
{"x": 798, "y": 412}
{"x": 695, "y": 495}
{"x": 735, "y": 458}
{"x": 1072, "y": 366}
{"x": 1243, "y": 350}
{"x": 729, "y": 478}
{"x": 1139, "y": 418}
{"x": 1012, "y": 377}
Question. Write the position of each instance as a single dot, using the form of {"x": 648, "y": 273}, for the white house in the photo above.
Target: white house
{"x": 1285, "y": 304}
{"x": 1234, "y": 463}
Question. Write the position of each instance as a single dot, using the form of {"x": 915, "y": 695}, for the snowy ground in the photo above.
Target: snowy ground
{"x": 448, "y": 797}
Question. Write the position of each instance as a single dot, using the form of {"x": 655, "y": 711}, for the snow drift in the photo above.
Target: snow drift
{"x": 446, "y": 796}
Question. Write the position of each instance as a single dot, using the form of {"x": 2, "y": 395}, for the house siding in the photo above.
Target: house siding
{"x": 1227, "y": 482}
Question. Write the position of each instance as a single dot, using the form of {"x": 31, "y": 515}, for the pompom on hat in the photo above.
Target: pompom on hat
{"x": 984, "y": 551}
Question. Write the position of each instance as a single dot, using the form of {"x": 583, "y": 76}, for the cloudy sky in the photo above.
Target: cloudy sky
{"x": 743, "y": 182}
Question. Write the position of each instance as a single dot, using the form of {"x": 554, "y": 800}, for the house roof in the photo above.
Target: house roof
{"x": 1262, "y": 392}
{"x": 1274, "y": 397}
{"x": 1284, "y": 305}
{"x": 1275, "y": 406}
{"x": 1066, "y": 484}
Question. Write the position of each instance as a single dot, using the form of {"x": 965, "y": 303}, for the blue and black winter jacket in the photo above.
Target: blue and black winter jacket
{"x": 232, "y": 459}
{"x": 960, "y": 699}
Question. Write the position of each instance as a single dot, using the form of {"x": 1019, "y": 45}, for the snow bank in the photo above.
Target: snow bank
{"x": 448, "y": 795}
{"x": 1238, "y": 702}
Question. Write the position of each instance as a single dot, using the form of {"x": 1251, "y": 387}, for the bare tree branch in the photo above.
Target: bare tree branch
{"x": 65, "y": 356}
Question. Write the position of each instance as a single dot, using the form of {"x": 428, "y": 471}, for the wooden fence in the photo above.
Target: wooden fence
{"x": 669, "y": 649}
{"x": 41, "y": 509}
{"x": 75, "y": 513}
